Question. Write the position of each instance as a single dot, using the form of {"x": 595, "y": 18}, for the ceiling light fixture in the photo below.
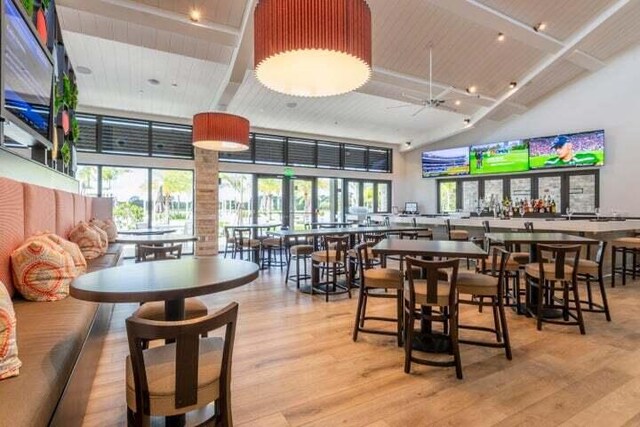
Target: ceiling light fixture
{"x": 220, "y": 132}
{"x": 195, "y": 15}
{"x": 541, "y": 26}
{"x": 458, "y": 102}
{"x": 472, "y": 89}
{"x": 501, "y": 37}
{"x": 319, "y": 48}
{"x": 513, "y": 85}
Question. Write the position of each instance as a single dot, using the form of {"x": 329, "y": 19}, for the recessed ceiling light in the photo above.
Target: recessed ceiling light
{"x": 195, "y": 15}
{"x": 153, "y": 82}
{"x": 467, "y": 121}
{"x": 174, "y": 84}
{"x": 472, "y": 89}
{"x": 408, "y": 143}
{"x": 83, "y": 70}
{"x": 501, "y": 37}
{"x": 541, "y": 26}
{"x": 458, "y": 102}
{"x": 513, "y": 85}
{"x": 291, "y": 104}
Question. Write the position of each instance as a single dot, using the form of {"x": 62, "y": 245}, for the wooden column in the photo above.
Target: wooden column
{"x": 206, "y": 224}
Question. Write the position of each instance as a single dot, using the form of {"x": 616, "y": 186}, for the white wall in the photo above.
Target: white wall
{"x": 608, "y": 99}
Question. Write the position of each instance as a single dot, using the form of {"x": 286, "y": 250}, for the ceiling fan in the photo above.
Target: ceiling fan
{"x": 430, "y": 102}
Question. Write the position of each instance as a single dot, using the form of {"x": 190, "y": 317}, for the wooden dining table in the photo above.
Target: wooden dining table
{"x": 147, "y": 231}
{"x": 255, "y": 228}
{"x": 426, "y": 340}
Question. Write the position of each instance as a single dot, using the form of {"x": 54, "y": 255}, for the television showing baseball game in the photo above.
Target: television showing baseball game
{"x": 450, "y": 162}
{"x": 567, "y": 150}
{"x": 499, "y": 157}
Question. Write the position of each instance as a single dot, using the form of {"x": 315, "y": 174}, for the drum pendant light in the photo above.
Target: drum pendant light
{"x": 312, "y": 47}
{"x": 220, "y": 132}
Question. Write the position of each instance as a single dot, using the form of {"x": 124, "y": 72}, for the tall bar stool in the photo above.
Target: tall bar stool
{"x": 547, "y": 275}
{"x": 229, "y": 243}
{"x": 593, "y": 271}
{"x": 528, "y": 226}
{"x": 299, "y": 251}
{"x": 484, "y": 286}
{"x": 422, "y": 234}
{"x": 333, "y": 261}
{"x": 453, "y": 234}
{"x": 376, "y": 279}
{"x": 244, "y": 242}
{"x": 438, "y": 290}
{"x": 625, "y": 246}
{"x": 271, "y": 248}
{"x": 352, "y": 256}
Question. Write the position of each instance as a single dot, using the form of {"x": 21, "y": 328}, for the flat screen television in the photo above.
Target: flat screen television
{"x": 410, "y": 207}
{"x": 28, "y": 73}
{"x": 499, "y": 157}
{"x": 450, "y": 162}
{"x": 567, "y": 150}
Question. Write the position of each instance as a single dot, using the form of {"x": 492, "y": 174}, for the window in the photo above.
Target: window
{"x": 551, "y": 187}
{"x": 355, "y": 157}
{"x": 173, "y": 201}
{"x": 235, "y": 204}
{"x": 301, "y": 202}
{"x": 301, "y": 152}
{"x": 520, "y": 189}
{"x": 367, "y": 195}
{"x": 353, "y": 195}
{"x": 171, "y": 141}
{"x": 329, "y": 200}
{"x": 470, "y": 196}
{"x": 88, "y": 138}
{"x": 448, "y": 196}
{"x": 329, "y": 155}
{"x": 88, "y": 177}
{"x": 269, "y": 200}
{"x": 383, "y": 197}
{"x": 129, "y": 188}
{"x": 378, "y": 160}
{"x": 124, "y": 136}
{"x": 493, "y": 191}
{"x": 269, "y": 149}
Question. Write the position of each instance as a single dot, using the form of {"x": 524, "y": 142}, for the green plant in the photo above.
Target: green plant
{"x": 28, "y": 6}
{"x": 65, "y": 152}
{"x": 75, "y": 129}
{"x": 73, "y": 95}
{"x": 45, "y": 4}
{"x": 127, "y": 215}
{"x": 58, "y": 101}
{"x": 67, "y": 91}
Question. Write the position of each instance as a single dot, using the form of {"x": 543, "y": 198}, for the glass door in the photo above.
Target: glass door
{"x": 269, "y": 199}
{"x": 235, "y": 200}
{"x": 329, "y": 200}
{"x": 354, "y": 197}
{"x": 301, "y": 203}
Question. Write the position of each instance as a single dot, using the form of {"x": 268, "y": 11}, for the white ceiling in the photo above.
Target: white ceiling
{"x": 127, "y": 42}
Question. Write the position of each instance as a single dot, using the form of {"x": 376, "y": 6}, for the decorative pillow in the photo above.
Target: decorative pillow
{"x": 104, "y": 239}
{"x": 108, "y": 226}
{"x": 42, "y": 270}
{"x": 9, "y": 362}
{"x": 73, "y": 250}
{"x": 88, "y": 239}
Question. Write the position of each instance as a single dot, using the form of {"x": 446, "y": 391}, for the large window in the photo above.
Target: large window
{"x": 173, "y": 199}
{"x": 129, "y": 188}
{"x": 88, "y": 177}
{"x": 368, "y": 195}
{"x": 269, "y": 200}
{"x": 329, "y": 202}
{"x": 235, "y": 200}
{"x": 448, "y": 196}
{"x": 383, "y": 197}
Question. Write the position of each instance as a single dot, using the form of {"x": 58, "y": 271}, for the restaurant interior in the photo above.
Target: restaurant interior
{"x": 279, "y": 213}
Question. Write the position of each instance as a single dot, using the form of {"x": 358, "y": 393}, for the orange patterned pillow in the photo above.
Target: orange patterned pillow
{"x": 73, "y": 250}
{"x": 9, "y": 362}
{"x": 88, "y": 239}
{"x": 108, "y": 226}
{"x": 42, "y": 270}
{"x": 104, "y": 239}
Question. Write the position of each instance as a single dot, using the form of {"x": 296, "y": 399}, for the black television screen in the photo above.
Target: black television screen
{"x": 499, "y": 157}
{"x": 567, "y": 150}
{"x": 28, "y": 73}
{"x": 450, "y": 162}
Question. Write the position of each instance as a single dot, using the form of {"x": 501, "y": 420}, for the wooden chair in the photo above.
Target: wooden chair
{"x": 422, "y": 234}
{"x": 453, "y": 234}
{"x": 625, "y": 246}
{"x": 376, "y": 279}
{"x": 593, "y": 271}
{"x": 155, "y": 310}
{"x": 243, "y": 241}
{"x": 528, "y": 226}
{"x": 229, "y": 243}
{"x": 421, "y": 296}
{"x": 333, "y": 260}
{"x": 545, "y": 276}
{"x": 271, "y": 248}
{"x": 484, "y": 286}
{"x": 300, "y": 250}
{"x": 177, "y": 378}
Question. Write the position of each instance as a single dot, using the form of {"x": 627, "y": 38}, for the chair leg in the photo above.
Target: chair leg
{"x": 356, "y": 326}
{"x": 364, "y": 309}
{"x": 624, "y": 267}
{"x": 496, "y": 319}
{"x": 605, "y": 303}
{"x": 576, "y": 298}
{"x": 286, "y": 277}
{"x": 539, "y": 312}
{"x": 589, "y": 293}
{"x": 408, "y": 339}
{"x": 455, "y": 347}
{"x": 399, "y": 314}
{"x": 505, "y": 331}
{"x": 613, "y": 266}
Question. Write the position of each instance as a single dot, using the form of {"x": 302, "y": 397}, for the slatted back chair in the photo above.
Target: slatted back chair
{"x": 528, "y": 226}
{"x": 146, "y": 253}
{"x": 188, "y": 365}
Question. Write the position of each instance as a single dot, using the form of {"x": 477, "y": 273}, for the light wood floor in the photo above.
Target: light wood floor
{"x": 295, "y": 364}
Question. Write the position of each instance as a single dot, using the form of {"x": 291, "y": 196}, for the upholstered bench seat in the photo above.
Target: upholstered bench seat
{"x": 50, "y": 336}
{"x": 109, "y": 259}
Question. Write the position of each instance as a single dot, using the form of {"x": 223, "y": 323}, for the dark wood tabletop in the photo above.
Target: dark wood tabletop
{"x": 539, "y": 237}
{"x": 444, "y": 248}
{"x": 348, "y": 230}
{"x": 155, "y": 239}
{"x": 163, "y": 280}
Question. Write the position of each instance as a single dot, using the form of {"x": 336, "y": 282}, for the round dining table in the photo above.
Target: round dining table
{"x": 155, "y": 239}
{"x": 170, "y": 281}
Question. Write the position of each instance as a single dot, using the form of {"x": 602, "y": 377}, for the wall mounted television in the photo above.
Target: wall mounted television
{"x": 450, "y": 162}
{"x": 499, "y": 157}
{"x": 567, "y": 150}
{"x": 28, "y": 74}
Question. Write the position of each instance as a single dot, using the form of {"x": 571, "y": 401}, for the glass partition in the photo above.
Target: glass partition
{"x": 173, "y": 201}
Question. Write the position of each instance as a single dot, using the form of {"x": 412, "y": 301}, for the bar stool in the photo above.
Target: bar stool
{"x": 589, "y": 271}
{"x": 372, "y": 279}
{"x": 333, "y": 260}
{"x": 483, "y": 286}
{"x": 453, "y": 234}
{"x": 625, "y": 246}
{"x": 243, "y": 241}
{"x": 272, "y": 246}
{"x": 422, "y": 234}
{"x": 229, "y": 243}
{"x": 547, "y": 275}
{"x": 420, "y": 297}
{"x": 299, "y": 252}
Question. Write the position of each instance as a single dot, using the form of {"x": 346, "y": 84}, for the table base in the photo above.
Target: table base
{"x": 431, "y": 342}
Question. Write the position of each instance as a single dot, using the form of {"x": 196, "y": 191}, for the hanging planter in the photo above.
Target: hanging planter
{"x": 41, "y": 25}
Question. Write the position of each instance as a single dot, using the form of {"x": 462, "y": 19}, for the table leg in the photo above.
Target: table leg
{"x": 427, "y": 340}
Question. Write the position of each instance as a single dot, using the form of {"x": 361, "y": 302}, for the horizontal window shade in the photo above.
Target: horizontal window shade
{"x": 379, "y": 160}
{"x": 301, "y": 152}
{"x": 269, "y": 149}
{"x": 88, "y": 133}
{"x": 236, "y": 156}
{"x": 355, "y": 157}
{"x": 125, "y": 136}
{"x": 328, "y": 155}
{"x": 171, "y": 140}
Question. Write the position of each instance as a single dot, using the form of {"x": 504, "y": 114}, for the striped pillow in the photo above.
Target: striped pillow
{"x": 108, "y": 226}
{"x": 42, "y": 270}
{"x": 88, "y": 239}
{"x": 9, "y": 362}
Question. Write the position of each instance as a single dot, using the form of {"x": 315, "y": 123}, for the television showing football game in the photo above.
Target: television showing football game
{"x": 451, "y": 162}
{"x": 567, "y": 150}
{"x": 499, "y": 157}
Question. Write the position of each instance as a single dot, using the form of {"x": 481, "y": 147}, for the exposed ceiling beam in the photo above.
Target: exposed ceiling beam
{"x": 524, "y": 33}
{"x": 153, "y": 17}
